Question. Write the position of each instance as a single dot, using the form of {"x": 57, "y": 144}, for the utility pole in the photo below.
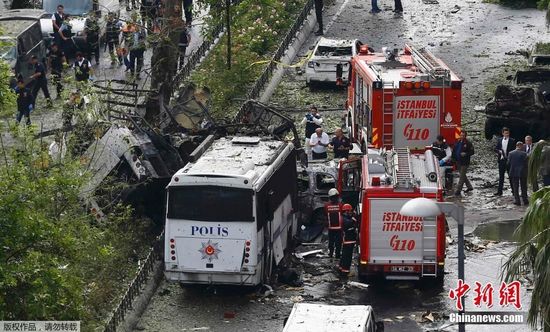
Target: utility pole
{"x": 228, "y": 27}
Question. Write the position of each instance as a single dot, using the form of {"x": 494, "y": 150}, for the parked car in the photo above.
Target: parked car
{"x": 315, "y": 317}
{"x": 21, "y": 38}
{"x": 327, "y": 55}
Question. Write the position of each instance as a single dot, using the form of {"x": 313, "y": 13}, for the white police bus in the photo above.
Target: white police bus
{"x": 231, "y": 213}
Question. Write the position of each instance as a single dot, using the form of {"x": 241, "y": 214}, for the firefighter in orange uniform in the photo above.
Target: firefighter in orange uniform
{"x": 350, "y": 238}
{"x": 333, "y": 209}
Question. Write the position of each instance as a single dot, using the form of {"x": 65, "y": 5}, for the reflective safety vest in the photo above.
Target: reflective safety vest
{"x": 334, "y": 215}
{"x": 350, "y": 230}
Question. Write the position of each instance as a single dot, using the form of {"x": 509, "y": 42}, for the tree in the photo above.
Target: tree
{"x": 533, "y": 251}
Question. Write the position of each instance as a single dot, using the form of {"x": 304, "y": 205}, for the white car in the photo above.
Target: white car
{"x": 327, "y": 54}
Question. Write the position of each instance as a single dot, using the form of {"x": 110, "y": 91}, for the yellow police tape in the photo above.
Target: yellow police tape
{"x": 296, "y": 65}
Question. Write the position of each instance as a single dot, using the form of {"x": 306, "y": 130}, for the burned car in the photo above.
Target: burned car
{"x": 523, "y": 106}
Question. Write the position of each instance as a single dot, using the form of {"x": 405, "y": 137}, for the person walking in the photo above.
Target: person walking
{"x": 25, "y": 102}
{"x": 340, "y": 144}
{"x": 463, "y": 151}
{"x": 505, "y": 145}
{"x": 82, "y": 68}
{"x": 349, "y": 230}
{"x": 398, "y": 7}
{"x": 40, "y": 81}
{"x": 65, "y": 33}
{"x": 333, "y": 210}
{"x": 57, "y": 21}
{"x": 517, "y": 164}
{"x": 112, "y": 37}
{"x": 312, "y": 120}
{"x": 374, "y": 7}
{"x": 319, "y": 142}
{"x": 137, "y": 50}
{"x": 188, "y": 10}
{"x": 319, "y": 16}
{"x": 56, "y": 59}
{"x": 183, "y": 43}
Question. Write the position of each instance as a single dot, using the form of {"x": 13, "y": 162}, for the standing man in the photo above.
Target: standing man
{"x": 188, "y": 10}
{"x": 40, "y": 81}
{"x": 505, "y": 145}
{"x": 137, "y": 50}
{"x": 184, "y": 41}
{"x": 349, "y": 225}
{"x": 92, "y": 39}
{"x": 312, "y": 120}
{"x": 66, "y": 34}
{"x": 398, "y": 7}
{"x": 25, "y": 102}
{"x": 57, "y": 21}
{"x": 528, "y": 148}
{"x": 443, "y": 153}
{"x": 341, "y": 144}
{"x": 82, "y": 68}
{"x": 56, "y": 59}
{"x": 462, "y": 152}
{"x": 112, "y": 35}
{"x": 319, "y": 16}
{"x": 333, "y": 209}
{"x": 319, "y": 142}
{"x": 517, "y": 162}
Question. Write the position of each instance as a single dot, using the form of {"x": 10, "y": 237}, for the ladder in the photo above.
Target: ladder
{"x": 402, "y": 172}
{"x": 429, "y": 245}
{"x": 388, "y": 94}
{"x": 426, "y": 61}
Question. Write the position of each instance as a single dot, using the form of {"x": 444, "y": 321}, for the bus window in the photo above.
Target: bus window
{"x": 325, "y": 182}
{"x": 210, "y": 203}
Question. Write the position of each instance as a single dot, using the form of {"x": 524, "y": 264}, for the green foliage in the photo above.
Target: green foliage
{"x": 7, "y": 96}
{"x": 257, "y": 26}
{"x": 533, "y": 254}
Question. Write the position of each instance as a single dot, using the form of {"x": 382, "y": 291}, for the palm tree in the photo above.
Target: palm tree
{"x": 533, "y": 251}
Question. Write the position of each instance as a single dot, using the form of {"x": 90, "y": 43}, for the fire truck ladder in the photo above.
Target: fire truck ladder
{"x": 429, "y": 245}
{"x": 426, "y": 61}
{"x": 402, "y": 169}
{"x": 388, "y": 94}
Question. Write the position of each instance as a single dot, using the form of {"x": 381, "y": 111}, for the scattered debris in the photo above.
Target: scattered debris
{"x": 479, "y": 108}
{"x": 455, "y": 9}
{"x": 358, "y": 284}
{"x": 290, "y": 277}
{"x": 400, "y": 317}
{"x": 478, "y": 245}
{"x": 428, "y": 317}
{"x": 449, "y": 240}
{"x": 307, "y": 253}
{"x": 266, "y": 290}
{"x": 297, "y": 298}
{"x": 229, "y": 315}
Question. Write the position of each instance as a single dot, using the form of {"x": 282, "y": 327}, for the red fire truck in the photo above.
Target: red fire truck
{"x": 402, "y": 99}
{"x": 392, "y": 245}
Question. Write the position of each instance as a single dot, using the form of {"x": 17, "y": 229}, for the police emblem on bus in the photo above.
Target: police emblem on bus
{"x": 209, "y": 250}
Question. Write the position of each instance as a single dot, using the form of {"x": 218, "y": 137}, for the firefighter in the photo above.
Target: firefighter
{"x": 349, "y": 225}
{"x": 333, "y": 209}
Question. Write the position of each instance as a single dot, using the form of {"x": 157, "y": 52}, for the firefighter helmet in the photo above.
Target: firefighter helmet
{"x": 347, "y": 207}
{"x": 333, "y": 192}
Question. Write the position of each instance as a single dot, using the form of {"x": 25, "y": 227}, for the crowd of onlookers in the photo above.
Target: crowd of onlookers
{"x": 124, "y": 41}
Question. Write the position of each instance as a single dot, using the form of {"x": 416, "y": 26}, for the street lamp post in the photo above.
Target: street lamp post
{"x": 423, "y": 207}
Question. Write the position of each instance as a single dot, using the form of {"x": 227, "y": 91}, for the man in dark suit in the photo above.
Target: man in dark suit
{"x": 528, "y": 148}
{"x": 319, "y": 16}
{"x": 517, "y": 162}
{"x": 462, "y": 152}
{"x": 505, "y": 145}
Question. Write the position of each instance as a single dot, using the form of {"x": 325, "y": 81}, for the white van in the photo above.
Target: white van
{"x": 314, "y": 317}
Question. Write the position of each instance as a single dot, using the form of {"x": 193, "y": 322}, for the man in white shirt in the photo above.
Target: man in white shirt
{"x": 319, "y": 142}
{"x": 312, "y": 121}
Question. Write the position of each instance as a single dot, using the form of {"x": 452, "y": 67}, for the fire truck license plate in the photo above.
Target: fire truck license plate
{"x": 402, "y": 269}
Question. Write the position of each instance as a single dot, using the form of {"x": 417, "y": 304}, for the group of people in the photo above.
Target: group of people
{"x": 398, "y": 9}
{"x": 512, "y": 159}
{"x": 342, "y": 230}
{"x": 317, "y": 141}
{"x": 126, "y": 43}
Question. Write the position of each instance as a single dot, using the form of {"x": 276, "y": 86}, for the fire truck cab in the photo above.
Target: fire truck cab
{"x": 394, "y": 246}
{"x": 402, "y": 99}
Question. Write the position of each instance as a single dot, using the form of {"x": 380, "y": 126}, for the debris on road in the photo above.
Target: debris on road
{"x": 297, "y": 298}
{"x": 307, "y": 253}
{"x": 358, "y": 284}
{"x": 428, "y": 317}
{"x": 229, "y": 315}
{"x": 455, "y": 9}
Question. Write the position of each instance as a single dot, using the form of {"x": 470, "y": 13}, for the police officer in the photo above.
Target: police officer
{"x": 57, "y": 21}
{"x": 349, "y": 224}
{"x": 92, "y": 39}
{"x": 25, "y": 102}
{"x": 82, "y": 68}
{"x": 40, "y": 80}
{"x": 112, "y": 35}
{"x": 333, "y": 209}
{"x": 56, "y": 59}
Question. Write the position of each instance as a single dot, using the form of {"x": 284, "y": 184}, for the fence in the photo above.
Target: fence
{"x": 156, "y": 251}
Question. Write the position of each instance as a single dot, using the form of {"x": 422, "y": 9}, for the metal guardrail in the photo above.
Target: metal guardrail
{"x": 157, "y": 250}
{"x": 155, "y": 254}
